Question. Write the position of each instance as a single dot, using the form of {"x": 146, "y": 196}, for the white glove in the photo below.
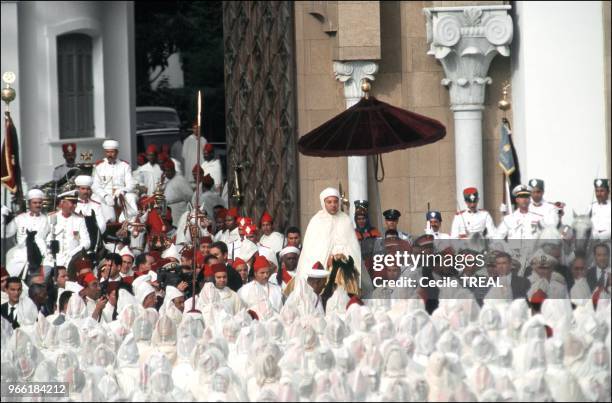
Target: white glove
{"x": 503, "y": 208}
{"x": 5, "y": 211}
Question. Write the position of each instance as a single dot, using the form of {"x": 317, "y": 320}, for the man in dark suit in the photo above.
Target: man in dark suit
{"x": 503, "y": 269}
{"x": 598, "y": 274}
{"x": 8, "y": 310}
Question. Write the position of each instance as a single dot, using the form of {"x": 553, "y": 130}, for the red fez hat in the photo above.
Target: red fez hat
{"x": 163, "y": 157}
{"x": 354, "y": 300}
{"x": 206, "y": 240}
{"x": 266, "y": 217}
{"x": 209, "y": 148}
{"x": 250, "y": 229}
{"x": 69, "y": 148}
{"x": 166, "y": 148}
{"x": 141, "y": 159}
{"x": 222, "y": 213}
{"x": 260, "y": 263}
{"x": 168, "y": 164}
{"x": 244, "y": 221}
{"x": 538, "y": 297}
{"x": 219, "y": 268}
{"x": 208, "y": 271}
{"x": 233, "y": 212}
{"x": 151, "y": 148}
{"x": 318, "y": 266}
{"x": 87, "y": 279}
{"x": 237, "y": 262}
{"x": 187, "y": 252}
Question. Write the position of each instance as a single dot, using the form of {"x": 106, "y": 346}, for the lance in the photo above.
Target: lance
{"x": 196, "y": 234}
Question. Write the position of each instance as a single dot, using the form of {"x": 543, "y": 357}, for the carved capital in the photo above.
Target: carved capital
{"x": 465, "y": 40}
{"x": 351, "y": 74}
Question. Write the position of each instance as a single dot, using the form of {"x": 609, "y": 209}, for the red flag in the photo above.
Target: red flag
{"x": 10, "y": 167}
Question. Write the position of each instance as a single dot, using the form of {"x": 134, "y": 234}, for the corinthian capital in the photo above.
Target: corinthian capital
{"x": 351, "y": 73}
{"x": 465, "y": 40}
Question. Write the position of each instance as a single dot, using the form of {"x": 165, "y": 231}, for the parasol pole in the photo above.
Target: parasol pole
{"x": 196, "y": 233}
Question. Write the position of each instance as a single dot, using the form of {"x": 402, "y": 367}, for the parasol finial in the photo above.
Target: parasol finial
{"x": 365, "y": 87}
{"x": 504, "y": 104}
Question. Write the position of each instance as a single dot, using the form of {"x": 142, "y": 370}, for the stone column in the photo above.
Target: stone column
{"x": 351, "y": 73}
{"x": 465, "y": 40}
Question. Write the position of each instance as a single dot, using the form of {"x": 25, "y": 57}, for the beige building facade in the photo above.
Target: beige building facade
{"x": 409, "y": 78}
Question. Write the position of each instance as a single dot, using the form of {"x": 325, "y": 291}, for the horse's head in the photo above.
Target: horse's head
{"x": 581, "y": 226}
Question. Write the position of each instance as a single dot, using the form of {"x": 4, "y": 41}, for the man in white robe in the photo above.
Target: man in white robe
{"x": 176, "y": 191}
{"x": 261, "y": 289}
{"x": 212, "y": 166}
{"x": 190, "y": 154}
{"x": 329, "y": 233}
{"x": 270, "y": 238}
{"x": 151, "y": 172}
{"x": 229, "y": 299}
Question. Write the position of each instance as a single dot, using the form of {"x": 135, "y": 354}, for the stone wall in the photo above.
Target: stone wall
{"x": 407, "y": 78}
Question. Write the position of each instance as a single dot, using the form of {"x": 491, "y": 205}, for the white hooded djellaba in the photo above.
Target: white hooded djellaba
{"x": 327, "y": 235}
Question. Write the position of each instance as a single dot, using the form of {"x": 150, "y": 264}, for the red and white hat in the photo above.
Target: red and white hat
{"x": 317, "y": 271}
{"x": 69, "y": 148}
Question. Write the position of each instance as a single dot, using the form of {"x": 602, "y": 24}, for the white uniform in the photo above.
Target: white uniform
{"x": 17, "y": 256}
{"x": 177, "y": 193}
{"x": 548, "y": 211}
{"x": 85, "y": 208}
{"x": 228, "y": 236}
{"x": 520, "y": 226}
{"x": 110, "y": 180}
{"x": 213, "y": 168}
{"x": 467, "y": 222}
{"x": 251, "y": 293}
{"x": 150, "y": 176}
{"x": 600, "y": 217}
{"x": 273, "y": 241}
{"x": 71, "y": 232}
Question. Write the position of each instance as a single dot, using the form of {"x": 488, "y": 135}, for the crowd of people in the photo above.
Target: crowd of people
{"x": 127, "y": 292}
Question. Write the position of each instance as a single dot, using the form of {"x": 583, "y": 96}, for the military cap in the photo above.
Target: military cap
{"x": 433, "y": 214}
{"x": 470, "y": 194}
{"x": 537, "y": 184}
{"x": 362, "y": 205}
{"x": 521, "y": 191}
{"x": 69, "y": 195}
{"x": 392, "y": 214}
{"x": 601, "y": 183}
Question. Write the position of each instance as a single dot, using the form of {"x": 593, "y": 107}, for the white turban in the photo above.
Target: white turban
{"x": 289, "y": 249}
{"x": 141, "y": 279}
{"x": 83, "y": 180}
{"x": 35, "y": 194}
{"x": 329, "y": 192}
{"x": 110, "y": 145}
{"x": 171, "y": 293}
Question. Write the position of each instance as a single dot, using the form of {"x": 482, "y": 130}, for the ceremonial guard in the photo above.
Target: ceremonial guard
{"x": 68, "y": 229}
{"x": 190, "y": 153}
{"x": 31, "y": 220}
{"x": 113, "y": 177}
{"x": 549, "y": 211}
{"x": 212, "y": 167}
{"x": 270, "y": 238}
{"x": 85, "y": 206}
{"x": 472, "y": 220}
{"x": 69, "y": 151}
{"x": 392, "y": 217}
{"x": 522, "y": 223}
{"x": 434, "y": 221}
{"x": 600, "y": 210}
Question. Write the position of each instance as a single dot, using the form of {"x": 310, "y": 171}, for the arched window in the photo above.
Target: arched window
{"x": 75, "y": 84}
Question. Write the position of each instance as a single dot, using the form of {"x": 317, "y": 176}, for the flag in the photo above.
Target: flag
{"x": 10, "y": 167}
{"x": 508, "y": 160}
